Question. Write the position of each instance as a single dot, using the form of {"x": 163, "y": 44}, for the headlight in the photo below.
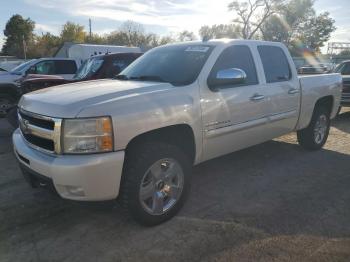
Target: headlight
{"x": 87, "y": 135}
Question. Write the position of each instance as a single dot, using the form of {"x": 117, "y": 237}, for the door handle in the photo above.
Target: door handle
{"x": 257, "y": 97}
{"x": 293, "y": 91}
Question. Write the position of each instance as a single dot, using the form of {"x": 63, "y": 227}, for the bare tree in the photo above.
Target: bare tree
{"x": 134, "y": 32}
{"x": 186, "y": 36}
{"x": 252, "y": 14}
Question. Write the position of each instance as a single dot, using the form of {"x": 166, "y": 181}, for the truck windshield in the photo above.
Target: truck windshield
{"x": 89, "y": 67}
{"x": 18, "y": 70}
{"x": 343, "y": 69}
{"x": 176, "y": 64}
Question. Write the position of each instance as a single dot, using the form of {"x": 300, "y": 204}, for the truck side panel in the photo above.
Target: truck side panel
{"x": 312, "y": 89}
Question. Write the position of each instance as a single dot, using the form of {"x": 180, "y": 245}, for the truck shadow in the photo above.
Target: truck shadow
{"x": 272, "y": 189}
{"x": 342, "y": 122}
{"x": 277, "y": 187}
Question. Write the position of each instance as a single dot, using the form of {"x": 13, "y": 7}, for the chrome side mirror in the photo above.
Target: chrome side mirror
{"x": 231, "y": 76}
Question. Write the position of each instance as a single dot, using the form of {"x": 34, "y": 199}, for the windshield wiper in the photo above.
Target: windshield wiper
{"x": 121, "y": 77}
{"x": 147, "y": 78}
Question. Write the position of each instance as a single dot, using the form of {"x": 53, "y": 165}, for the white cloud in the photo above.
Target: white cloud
{"x": 341, "y": 35}
{"x": 175, "y": 15}
{"x": 43, "y": 28}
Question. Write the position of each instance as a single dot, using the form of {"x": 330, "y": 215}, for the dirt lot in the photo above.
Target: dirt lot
{"x": 271, "y": 202}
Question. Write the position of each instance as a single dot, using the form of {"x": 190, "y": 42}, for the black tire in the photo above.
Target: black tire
{"x": 138, "y": 161}
{"x": 12, "y": 117}
{"x": 307, "y": 137}
{"x": 6, "y": 102}
{"x": 339, "y": 109}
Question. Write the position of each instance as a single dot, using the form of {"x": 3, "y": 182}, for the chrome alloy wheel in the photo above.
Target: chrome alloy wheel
{"x": 161, "y": 186}
{"x": 320, "y": 129}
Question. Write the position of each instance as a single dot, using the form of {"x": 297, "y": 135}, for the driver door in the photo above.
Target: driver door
{"x": 234, "y": 116}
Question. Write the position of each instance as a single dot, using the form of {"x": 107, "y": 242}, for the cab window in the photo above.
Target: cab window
{"x": 45, "y": 68}
{"x": 275, "y": 63}
{"x": 240, "y": 57}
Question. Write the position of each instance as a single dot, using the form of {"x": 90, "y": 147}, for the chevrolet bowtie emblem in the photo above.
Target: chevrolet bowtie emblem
{"x": 25, "y": 126}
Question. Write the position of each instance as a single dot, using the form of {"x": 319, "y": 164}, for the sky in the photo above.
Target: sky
{"x": 158, "y": 16}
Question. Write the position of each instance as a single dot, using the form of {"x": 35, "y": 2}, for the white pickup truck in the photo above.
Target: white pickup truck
{"x": 136, "y": 137}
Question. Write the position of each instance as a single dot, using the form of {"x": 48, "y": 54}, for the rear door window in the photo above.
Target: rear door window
{"x": 45, "y": 68}
{"x": 275, "y": 63}
{"x": 65, "y": 67}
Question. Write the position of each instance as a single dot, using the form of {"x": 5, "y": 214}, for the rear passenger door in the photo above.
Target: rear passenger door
{"x": 65, "y": 68}
{"x": 283, "y": 89}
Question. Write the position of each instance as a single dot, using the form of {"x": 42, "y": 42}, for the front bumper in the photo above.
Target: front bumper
{"x": 94, "y": 177}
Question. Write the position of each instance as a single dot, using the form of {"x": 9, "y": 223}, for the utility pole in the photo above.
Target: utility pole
{"x": 90, "y": 32}
{"x": 24, "y": 47}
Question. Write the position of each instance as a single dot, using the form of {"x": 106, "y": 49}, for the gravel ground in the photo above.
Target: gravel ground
{"x": 271, "y": 202}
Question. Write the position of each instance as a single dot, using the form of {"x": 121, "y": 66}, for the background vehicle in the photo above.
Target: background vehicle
{"x": 344, "y": 70}
{"x": 313, "y": 69}
{"x": 63, "y": 67}
{"x": 136, "y": 138}
{"x": 97, "y": 67}
{"x": 81, "y": 52}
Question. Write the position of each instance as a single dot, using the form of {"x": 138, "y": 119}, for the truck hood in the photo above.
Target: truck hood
{"x": 66, "y": 101}
{"x": 7, "y": 77}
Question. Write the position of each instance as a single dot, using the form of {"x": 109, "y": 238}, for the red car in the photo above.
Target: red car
{"x": 96, "y": 67}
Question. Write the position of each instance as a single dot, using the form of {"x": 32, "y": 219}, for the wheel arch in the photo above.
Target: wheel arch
{"x": 180, "y": 135}
{"x": 10, "y": 90}
{"x": 326, "y": 102}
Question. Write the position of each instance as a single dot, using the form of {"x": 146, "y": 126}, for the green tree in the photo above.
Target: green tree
{"x": 298, "y": 26}
{"x": 19, "y": 33}
{"x": 95, "y": 39}
{"x": 220, "y": 31}
{"x": 72, "y": 32}
{"x": 318, "y": 31}
{"x": 289, "y": 22}
{"x": 44, "y": 46}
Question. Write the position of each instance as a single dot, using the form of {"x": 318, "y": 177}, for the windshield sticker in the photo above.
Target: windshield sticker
{"x": 202, "y": 49}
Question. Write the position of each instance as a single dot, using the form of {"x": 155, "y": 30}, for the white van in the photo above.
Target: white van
{"x": 81, "y": 52}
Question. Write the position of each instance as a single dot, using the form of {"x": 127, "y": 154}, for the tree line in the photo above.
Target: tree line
{"x": 293, "y": 22}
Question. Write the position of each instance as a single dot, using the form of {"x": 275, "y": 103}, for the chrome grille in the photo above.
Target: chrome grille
{"x": 345, "y": 97}
{"x": 41, "y": 132}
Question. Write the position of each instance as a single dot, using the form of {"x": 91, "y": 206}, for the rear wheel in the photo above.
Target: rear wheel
{"x": 6, "y": 102}
{"x": 315, "y": 135}
{"x": 155, "y": 183}
{"x": 339, "y": 109}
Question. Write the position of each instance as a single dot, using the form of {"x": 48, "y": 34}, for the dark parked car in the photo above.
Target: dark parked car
{"x": 312, "y": 69}
{"x": 344, "y": 70}
{"x": 96, "y": 67}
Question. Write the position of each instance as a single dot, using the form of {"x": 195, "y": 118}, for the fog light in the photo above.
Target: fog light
{"x": 75, "y": 190}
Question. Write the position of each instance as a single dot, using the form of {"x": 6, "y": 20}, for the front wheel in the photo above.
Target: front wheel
{"x": 156, "y": 182}
{"x": 6, "y": 102}
{"x": 315, "y": 135}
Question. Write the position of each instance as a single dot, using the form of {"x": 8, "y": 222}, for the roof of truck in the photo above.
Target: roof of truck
{"x": 227, "y": 41}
